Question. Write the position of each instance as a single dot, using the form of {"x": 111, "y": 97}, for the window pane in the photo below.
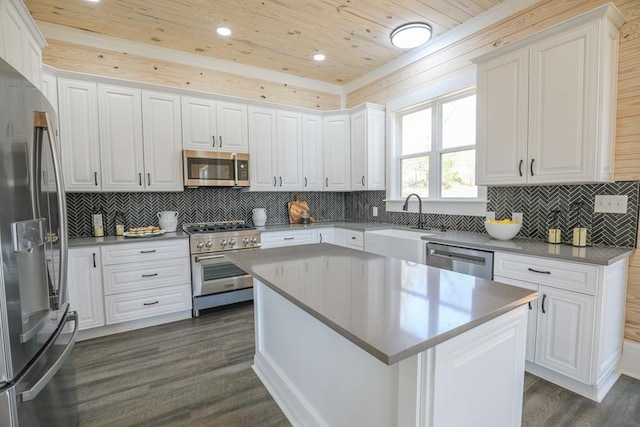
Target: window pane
{"x": 415, "y": 176}
{"x": 416, "y": 132}
{"x": 459, "y": 122}
{"x": 458, "y": 174}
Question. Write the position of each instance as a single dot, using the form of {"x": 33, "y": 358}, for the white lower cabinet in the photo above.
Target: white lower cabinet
{"x": 139, "y": 305}
{"x": 355, "y": 239}
{"x": 85, "y": 286}
{"x": 276, "y": 239}
{"x": 575, "y": 330}
{"x": 325, "y": 235}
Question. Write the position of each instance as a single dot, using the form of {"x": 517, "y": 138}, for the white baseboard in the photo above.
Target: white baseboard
{"x": 631, "y": 359}
{"x": 102, "y": 331}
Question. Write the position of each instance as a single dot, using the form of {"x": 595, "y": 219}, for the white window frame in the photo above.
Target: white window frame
{"x": 458, "y": 85}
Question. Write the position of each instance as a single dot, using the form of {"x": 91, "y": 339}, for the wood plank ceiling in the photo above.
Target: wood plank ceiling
{"x": 278, "y": 35}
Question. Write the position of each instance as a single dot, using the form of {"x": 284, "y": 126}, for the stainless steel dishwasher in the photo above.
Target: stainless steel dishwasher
{"x": 474, "y": 262}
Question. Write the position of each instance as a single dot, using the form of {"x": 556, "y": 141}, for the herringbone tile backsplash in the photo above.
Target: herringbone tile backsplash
{"x": 221, "y": 204}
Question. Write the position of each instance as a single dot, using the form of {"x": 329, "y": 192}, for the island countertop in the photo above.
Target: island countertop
{"x": 391, "y": 308}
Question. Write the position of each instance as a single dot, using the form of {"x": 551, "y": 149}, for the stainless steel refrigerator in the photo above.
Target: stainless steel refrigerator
{"x": 37, "y": 332}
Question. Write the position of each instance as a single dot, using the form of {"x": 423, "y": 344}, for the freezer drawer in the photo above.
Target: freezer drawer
{"x": 45, "y": 396}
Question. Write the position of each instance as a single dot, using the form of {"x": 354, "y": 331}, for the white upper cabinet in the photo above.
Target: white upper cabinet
{"x": 336, "y": 133}
{"x": 121, "y": 150}
{"x": 367, "y": 148}
{"x": 79, "y": 136}
{"x": 50, "y": 89}
{"x": 546, "y": 105}
{"x": 162, "y": 141}
{"x": 312, "y": 152}
{"x": 210, "y": 125}
{"x": 21, "y": 42}
{"x": 276, "y": 149}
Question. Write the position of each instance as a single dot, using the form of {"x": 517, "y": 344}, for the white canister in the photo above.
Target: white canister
{"x": 259, "y": 217}
{"x": 168, "y": 220}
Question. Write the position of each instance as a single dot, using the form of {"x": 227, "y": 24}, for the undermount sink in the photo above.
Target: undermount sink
{"x": 397, "y": 243}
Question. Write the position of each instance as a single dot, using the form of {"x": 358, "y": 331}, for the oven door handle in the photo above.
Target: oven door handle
{"x": 202, "y": 258}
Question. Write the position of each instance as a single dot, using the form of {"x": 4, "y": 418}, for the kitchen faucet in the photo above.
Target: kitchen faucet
{"x": 405, "y": 207}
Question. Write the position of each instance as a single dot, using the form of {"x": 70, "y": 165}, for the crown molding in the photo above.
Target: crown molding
{"x": 99, "y": 41}
{"x": 462, "y": 31}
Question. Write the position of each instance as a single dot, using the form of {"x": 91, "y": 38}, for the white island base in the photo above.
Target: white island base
{"x": 319, "y": 377}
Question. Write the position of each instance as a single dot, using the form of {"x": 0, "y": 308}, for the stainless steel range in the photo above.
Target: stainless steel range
{"x": 214, "y": 280}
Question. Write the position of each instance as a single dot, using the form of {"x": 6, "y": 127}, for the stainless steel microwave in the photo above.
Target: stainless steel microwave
{"x": 215, "y": 169}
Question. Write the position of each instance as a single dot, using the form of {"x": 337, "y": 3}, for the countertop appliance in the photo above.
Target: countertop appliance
{"x": 474, "y": 262}
{"x": 215, "y": 169}
{"x": 214, "y": 280}
{"x": 37, "y": 332}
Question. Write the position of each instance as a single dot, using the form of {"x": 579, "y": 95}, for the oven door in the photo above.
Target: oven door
{"x": 213, "y": 274}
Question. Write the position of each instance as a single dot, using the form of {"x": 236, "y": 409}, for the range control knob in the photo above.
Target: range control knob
{"x": 245, "y": 241}
{"x": 209, "y": 244}
{"x": 254, "y": 240}
{"x": 232, "y": 242}
{"x": 223, "y": 242}
{"x": 199, "y": 245}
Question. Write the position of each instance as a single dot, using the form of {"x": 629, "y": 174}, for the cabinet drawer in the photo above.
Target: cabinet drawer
{"x": 355, "y": 239}
{"x": 287, "y": 238}
{"x": 120, "y": 278}
{"x": 560, "y": 274}
{"x": 142, "y": 304}
{"x": 144, "y": 251}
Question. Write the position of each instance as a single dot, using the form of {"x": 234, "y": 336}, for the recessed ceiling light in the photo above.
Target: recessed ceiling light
{"x": 411, "y": 35}
{"x": 223, "y": 31}
{"x": 318, "y": 57}
{"x": 93, "y": 1}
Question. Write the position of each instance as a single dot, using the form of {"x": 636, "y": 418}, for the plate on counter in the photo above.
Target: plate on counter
{"x": 153, "y": 234}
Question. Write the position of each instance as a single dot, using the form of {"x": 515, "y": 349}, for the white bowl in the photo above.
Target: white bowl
{"x": 502, "y": 231}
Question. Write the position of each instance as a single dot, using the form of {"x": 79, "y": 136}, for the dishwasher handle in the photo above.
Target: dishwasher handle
{"x": 458, "y": 257}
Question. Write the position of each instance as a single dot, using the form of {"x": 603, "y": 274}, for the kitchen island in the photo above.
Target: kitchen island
{"x": 345, "y": 337}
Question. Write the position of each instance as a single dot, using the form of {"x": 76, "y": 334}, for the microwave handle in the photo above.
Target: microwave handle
{"x": 235, "y": 167}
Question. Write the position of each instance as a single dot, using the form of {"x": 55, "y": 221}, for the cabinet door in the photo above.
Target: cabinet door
{"x": 289, "y": 150}
{"x": 312, "y": 151}
{"x": 14, "y": 37}
{"x": 325, "y": 235}
{"x": 85, "y": 286}
{"x": 358, "y": 149}
{"x": 502, "y": 108}
{"x": 162, "y": 141}
{"x": 375, "y": 150}
{"x": 199, "y": 124}
{"x": 262, "y": 145}
{"x": 565, "y": 332}
{"x": 232, "y": 125}
{"x": 79, "y": 136}
{"x": 532, "y": 319}
{"x": 32, "y": 61}
{"x": 50, "y": 89}
{"x": 562, "y": 106}
{"x": 121, "y": 151}
{"x": 337, "y": 151}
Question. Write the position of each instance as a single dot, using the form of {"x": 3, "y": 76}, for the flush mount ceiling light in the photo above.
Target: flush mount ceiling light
{"x": 223, "y": 31}
{"x": 318, "y": 57}
{"x": 411, "y": 35}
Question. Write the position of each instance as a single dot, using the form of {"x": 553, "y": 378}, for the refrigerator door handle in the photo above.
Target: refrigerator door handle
{"x": 33, "y": 392}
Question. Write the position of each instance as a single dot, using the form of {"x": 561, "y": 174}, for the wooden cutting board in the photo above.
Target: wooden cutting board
{"x": 296, "y": 208}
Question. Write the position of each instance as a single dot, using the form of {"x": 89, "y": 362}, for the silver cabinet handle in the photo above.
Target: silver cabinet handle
{"x": 213, "y": 138}
{"x": 148, "y": 252}
{"x": 274, "y": 181}
{"x": 532, "y": 160}
{"x": 305, "y": 181}
{"x": 538, "y": 271}
{"x": 150, "y": 275}
{"x": 149, "y": 178}
{"x": 33, "y": 392}
{"x": 530, "y": 308}
{"x": 94, "y": 260}
{"x": 363, "y": 180}
{"x": 150, "y": 303}
{"x": 326, "y": 182}
{"x": 139, "y": 178}
{"x": 544, "y": 297}
{"x": 320, "y": 237}
{"x": 280, "y": 181}
{"x": 220, "y": 137}
{"x": 520, "y": 167}
{"x": 95, "y": 178}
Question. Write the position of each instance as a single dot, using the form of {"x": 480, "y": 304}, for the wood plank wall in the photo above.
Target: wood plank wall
{"x": 83, "y": 59}
{"x": 544, "y": 14}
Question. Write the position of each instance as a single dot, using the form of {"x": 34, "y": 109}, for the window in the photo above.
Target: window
{"x": 436, "y": 148}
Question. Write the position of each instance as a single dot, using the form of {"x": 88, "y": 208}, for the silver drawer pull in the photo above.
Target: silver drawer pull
{"x": 148, "y": 252}
{"x": 538, "y": 271}
{"x": 150, "y": 275}
{"x": 289, "y": 238}
{"x": 150, "y": 303}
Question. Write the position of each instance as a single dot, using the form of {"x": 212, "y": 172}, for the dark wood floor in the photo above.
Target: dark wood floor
{"x": 197, "y": 372}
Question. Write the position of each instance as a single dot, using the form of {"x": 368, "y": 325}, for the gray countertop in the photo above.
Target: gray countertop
{"x": 391, "y": 308}
{"x": 111, "y": 240}
{"x": 600, "y": 255}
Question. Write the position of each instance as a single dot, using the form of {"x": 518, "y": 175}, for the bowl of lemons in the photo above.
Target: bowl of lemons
{"x": 504, "y": 229}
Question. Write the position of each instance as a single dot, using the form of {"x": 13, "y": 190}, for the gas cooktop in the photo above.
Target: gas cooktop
{"x": 217, "y": 227}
